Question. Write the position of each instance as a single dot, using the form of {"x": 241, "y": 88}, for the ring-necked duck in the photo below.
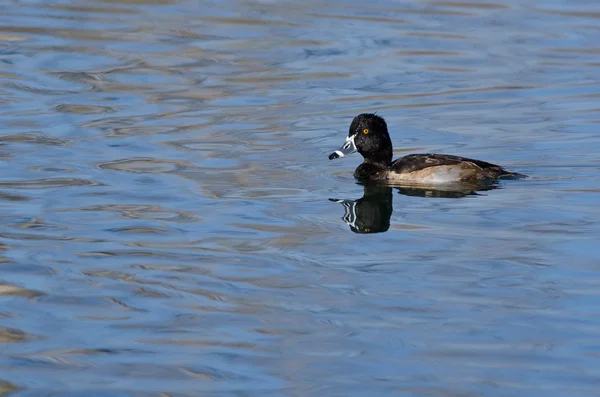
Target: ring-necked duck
{"x": 369, "y": 136}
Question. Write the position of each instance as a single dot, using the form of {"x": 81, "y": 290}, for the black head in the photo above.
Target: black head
{"x": 369, "y": 136}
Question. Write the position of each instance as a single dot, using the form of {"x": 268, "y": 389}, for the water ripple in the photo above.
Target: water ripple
{"x": 48, "y": 183}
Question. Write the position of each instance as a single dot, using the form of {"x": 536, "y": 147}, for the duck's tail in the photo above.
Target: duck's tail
{"x": 512, "y": 175}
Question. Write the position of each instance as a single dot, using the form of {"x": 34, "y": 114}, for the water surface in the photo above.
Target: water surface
{"x": 167, "y": 227}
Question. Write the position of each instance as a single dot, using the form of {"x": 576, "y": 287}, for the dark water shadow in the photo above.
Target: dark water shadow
{"x": 453, "y": 190}
{"x": 372, "y": 212}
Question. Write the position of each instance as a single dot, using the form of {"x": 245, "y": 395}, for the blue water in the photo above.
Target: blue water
{"x": 166, "y": 217}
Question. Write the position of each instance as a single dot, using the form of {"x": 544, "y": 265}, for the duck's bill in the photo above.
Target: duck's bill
{"x": 348, "y": 148}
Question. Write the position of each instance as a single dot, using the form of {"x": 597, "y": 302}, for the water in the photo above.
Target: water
{"x": 171, "y": 225}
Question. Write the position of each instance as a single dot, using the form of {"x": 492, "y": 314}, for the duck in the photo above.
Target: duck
{"x": 369, "y": 136}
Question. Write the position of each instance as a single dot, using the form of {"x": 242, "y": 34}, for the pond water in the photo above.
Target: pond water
{"x": 170, "y": 224}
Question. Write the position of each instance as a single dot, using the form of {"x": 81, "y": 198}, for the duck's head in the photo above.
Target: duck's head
{"x": 368, "y": 135}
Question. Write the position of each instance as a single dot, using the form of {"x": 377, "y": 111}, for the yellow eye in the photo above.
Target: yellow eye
{"x": 367, "y": 230}
{"x": 366, "y": 131}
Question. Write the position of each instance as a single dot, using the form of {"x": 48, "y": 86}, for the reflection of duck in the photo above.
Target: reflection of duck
{"x": 372, "y": 212}
{"x": 369, "y": 136}
{"x": 452, "y": 190}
